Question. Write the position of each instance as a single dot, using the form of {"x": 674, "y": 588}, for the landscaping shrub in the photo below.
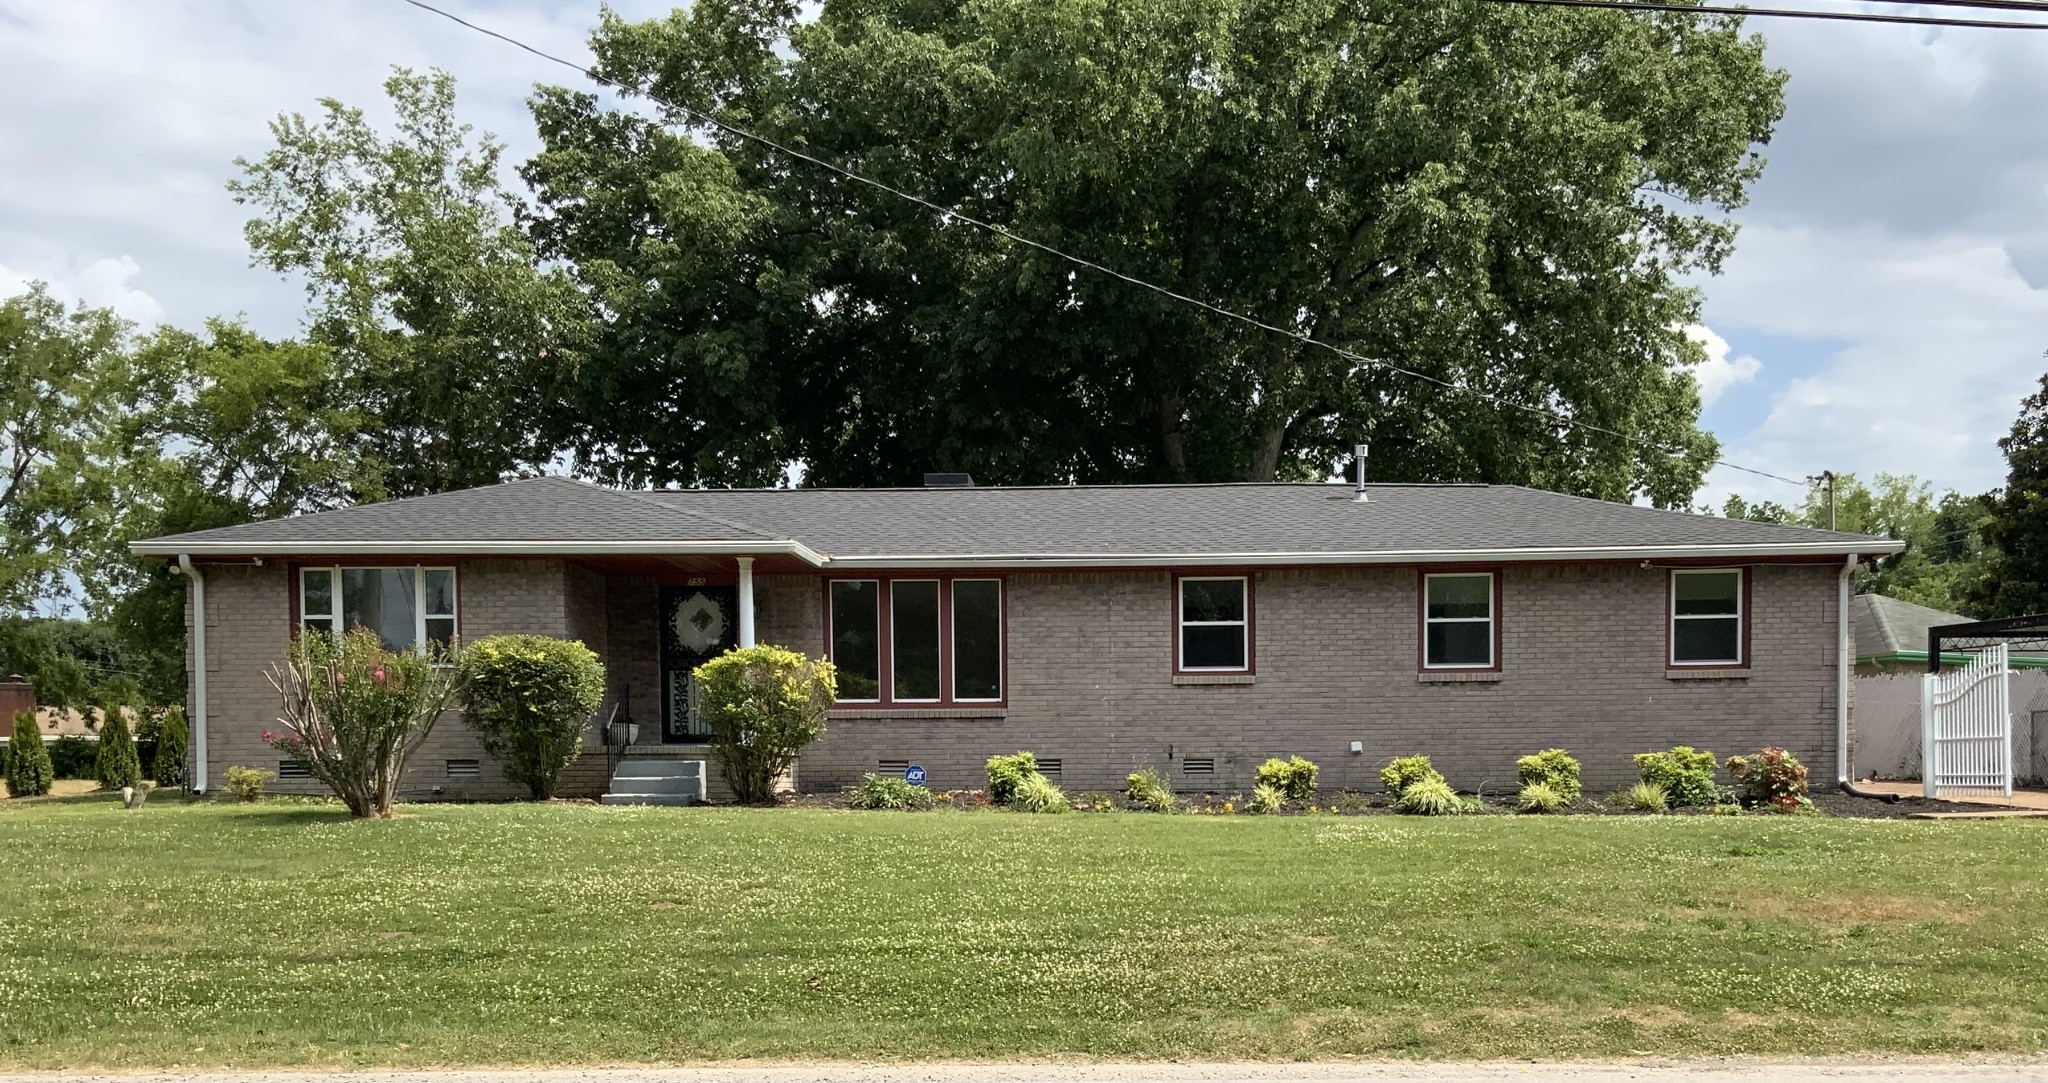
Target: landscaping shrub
{"x": 1038, "y": 794}
{"x": 764, "y": 704}
{"x": 1295, "y": 777}
{"x": 1429, "y": 797}
{"x": 245, "y": 783}
{"x": 29, "y": 773}
{"x": 529, "y": 698}
{"x": 1540, "y": 797}
{"x": 1147, "y": 790}
{"x": 72, "y": 756}
{"x": 1643, "y": 797}
{"x": 1685, "y": 773}
{"x": 1555, "y": 768}
{"x": 890, "y": 792}
{"x": 355, "y": 712}
{"x": 1006, "y": 773}
{"x": 117, "y": 764}
{"x": 1773, "y": 778}
{"x": 172, "y": 741}
{"x": 1266, "y": 797}
{"x": 1405, "y": 771}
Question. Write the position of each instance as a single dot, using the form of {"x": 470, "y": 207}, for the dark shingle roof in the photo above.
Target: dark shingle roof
{"x": 1887, "y": 625}
{"x": 1027, "y": 523}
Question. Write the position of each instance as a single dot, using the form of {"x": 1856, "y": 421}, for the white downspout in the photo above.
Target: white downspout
{"x": 198, "y": 735}
{"x": 746, "y": 601}
{"x": 1845, "y": 648}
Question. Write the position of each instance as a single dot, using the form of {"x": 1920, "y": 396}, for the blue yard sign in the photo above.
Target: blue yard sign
{"x": 914, "y": 774}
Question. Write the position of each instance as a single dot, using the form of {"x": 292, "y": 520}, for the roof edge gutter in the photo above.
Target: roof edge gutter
{"x": 1828, "y": 553}
{"x": 476, "y": 548}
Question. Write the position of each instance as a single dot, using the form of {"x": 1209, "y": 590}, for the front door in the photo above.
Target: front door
{"x": 697, "y": 625}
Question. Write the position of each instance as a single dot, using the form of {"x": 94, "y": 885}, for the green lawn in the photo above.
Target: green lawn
{"x": 285, "y": 934}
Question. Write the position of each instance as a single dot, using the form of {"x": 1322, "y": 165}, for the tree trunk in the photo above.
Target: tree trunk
{"x": 1266, "y": 456}
{"x": 1173, "y": 446}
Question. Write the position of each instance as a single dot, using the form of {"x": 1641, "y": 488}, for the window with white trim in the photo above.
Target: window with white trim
{"x": 1457, "y": 621}
{"x": 405, "y": 606}
{"x": 1706, "y": 617}
{"x": 1214, "y": 618}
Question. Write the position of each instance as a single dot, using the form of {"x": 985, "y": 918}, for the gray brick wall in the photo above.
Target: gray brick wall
{"x": 1090, "y": 678}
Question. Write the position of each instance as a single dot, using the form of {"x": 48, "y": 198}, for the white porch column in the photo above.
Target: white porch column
{"x": 746, "y": 601}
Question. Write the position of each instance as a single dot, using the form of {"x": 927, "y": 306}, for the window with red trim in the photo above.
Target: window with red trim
{"x": 1214, "y": 624}
{"x": 1707, "y": 612}
{"x": 917, "y": 640}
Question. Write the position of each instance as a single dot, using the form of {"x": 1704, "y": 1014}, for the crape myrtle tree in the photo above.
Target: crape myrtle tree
{"x": 1500, "y": 196}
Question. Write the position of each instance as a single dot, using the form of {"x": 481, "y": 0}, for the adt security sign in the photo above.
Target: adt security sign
{"x": 914, "y": 774}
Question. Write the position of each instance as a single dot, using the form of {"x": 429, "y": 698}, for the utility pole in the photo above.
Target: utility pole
{"x": 1827, "y": 478}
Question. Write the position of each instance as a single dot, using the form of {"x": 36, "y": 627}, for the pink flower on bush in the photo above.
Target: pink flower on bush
{"x": 377, "y": 674}
{"x": 269, "y": 737}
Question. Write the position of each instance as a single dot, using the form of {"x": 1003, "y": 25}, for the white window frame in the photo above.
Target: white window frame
{"x": 938, "y": 642}
{"x": 1741, "y": 617}
{"x": 953, "y": 637}
{"x": 420, "y": 616}
{"x": 1427, "y": 620}
{"x": 1182, "y": 623}
{"x": 832, "y": 637}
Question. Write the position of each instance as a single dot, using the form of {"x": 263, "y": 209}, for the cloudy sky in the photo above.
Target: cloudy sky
{"x": 1886, "y": 309}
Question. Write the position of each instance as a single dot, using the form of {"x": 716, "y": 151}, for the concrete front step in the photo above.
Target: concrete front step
{"x": 657, "y": 782}
{"x": 674, "y": 799}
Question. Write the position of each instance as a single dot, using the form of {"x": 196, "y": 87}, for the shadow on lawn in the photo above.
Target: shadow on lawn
{"x": 268, "y": 815}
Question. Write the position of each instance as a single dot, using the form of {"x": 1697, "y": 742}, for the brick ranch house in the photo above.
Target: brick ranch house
{"x": 1197, "y": 629}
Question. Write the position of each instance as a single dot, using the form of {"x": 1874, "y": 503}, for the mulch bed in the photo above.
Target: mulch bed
{"x": 1842, "y": 805}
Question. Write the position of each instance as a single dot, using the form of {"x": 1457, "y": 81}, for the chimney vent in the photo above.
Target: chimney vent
{"x": 1359, "y": 455}
{"x": 949, "y": 481}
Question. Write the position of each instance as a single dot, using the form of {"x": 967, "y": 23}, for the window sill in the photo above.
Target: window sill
{"x": 1706, "y": 673}
{"x": 917, "y": 712}
{"x": 1215, "y": 678}
{"x": 1458, "y": 676}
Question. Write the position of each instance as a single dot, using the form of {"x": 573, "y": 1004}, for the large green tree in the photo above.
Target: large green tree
{"x": 446, "y": 331}
{"x": 1499, "y": 196}
{"x": 2016, "y": 582}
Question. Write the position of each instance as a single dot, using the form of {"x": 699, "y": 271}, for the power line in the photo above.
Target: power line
{"x": 952, "y": 214}
{"x": 1793, "y": 13}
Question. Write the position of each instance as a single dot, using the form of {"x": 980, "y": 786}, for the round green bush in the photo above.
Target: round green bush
{"x": 1555, "y": 768}
{"x": 1006, "y": 773}
{"x": 529, "y": 699}
{"x": 1148, "y": 791}
{"x": 889, "y": 792}
{"x": 1405, "y": 771}
{"x": 1685, "y": 773}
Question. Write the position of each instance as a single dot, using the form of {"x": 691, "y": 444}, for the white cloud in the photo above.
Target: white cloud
{"x": 1943, "y": 338}
{"x": 103, "y": 283}
{"x": 1719, "y": 372}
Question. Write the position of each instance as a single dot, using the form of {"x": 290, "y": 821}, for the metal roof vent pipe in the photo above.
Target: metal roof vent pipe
{"x": 949, "y": 481}
{"x": 1358, "y": 458}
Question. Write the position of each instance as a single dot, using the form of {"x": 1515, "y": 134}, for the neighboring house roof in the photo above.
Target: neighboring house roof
{"x": 1893, "y": 632}
{"x": 1051, "y": 525}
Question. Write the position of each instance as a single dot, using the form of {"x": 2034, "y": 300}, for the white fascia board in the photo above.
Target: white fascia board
{"x": 160, "y": 548}
{"x": 1829, "y": 551}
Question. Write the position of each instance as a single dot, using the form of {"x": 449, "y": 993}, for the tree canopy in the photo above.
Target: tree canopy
{"x": 1498, "y": 196}
{"x": 2016, "y": 582}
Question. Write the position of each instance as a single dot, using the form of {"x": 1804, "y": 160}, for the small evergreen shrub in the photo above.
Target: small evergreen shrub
{"x": 890, "y": 792}
{"x": 72, "y": 756}
{"x": 1642, "y": 797}
{"x": 1038, "y": 794}
{"x": 1148, "y": 791}
{"x": 29, "y": 773}
{"x": 1685, "y": 773}
{"x": 1405, "y": 771}
{"x": 173, "y": 740}
{"x": 1006, "y": 773}
{"x": 117, "y": 764}
{"x": 1295, "y": 777}
{"x": 1773, "y": 778}
{"x": 1266, "y": 798}
{"x": 764, "y": 704}
{"x": 1555, "y": 768}
{"x": 529, "y": 698}
{"x": 245, "y": 783}
{"x": 1540, "y": 797}
{"x": 1429, "y": 797}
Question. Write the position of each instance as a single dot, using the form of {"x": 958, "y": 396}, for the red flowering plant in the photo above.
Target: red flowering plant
{"x": 1773, "y": 778}
{"x": 355, "y": 711}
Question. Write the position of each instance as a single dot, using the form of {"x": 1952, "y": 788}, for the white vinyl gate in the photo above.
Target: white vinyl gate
{"x": 1966, "y": 726}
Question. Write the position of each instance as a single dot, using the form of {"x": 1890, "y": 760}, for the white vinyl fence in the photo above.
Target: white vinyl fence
{"x": 1966, "y": 719}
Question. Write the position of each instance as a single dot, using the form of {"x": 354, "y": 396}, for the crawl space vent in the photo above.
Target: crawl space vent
{"x": 1198, "y": 765}
{"x": 892, "y": 767}
{"x": 465, "y": 768}
{"x": 1050, "y": 768}
{"x": 292, "y": 769}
